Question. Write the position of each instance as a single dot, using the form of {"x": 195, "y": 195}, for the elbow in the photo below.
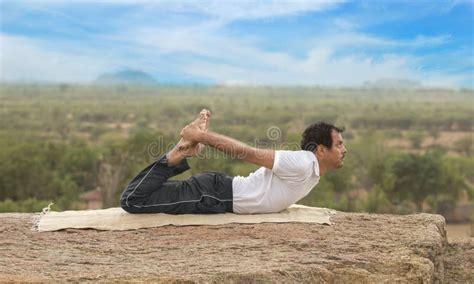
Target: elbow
{"x": 264, "y": 158}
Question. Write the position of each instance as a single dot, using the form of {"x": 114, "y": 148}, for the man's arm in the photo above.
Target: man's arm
{"x": 237, "y": 149}
{"x": 233, "y": 147}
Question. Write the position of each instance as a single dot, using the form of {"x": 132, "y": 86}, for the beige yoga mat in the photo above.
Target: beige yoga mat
{"x": 116, "y": 219}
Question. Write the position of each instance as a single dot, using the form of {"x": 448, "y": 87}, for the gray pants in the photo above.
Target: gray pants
{"x": 151, "y": 191}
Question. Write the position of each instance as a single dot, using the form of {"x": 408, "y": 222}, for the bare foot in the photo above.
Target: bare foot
{"x": 186, "y": 148}
{"x": 203, "y": 120}
{"x": 189, "y": 149}
{"x": 202, "y": 123}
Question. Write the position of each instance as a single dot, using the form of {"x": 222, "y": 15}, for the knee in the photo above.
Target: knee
{"x": 129, "y": 209}
{"x": 126, "y": 205}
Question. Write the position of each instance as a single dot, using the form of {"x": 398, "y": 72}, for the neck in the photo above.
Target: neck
{"x": 323, "y": 169}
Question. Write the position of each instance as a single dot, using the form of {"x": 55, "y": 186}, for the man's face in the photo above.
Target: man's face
{"x": 335, "y": 155}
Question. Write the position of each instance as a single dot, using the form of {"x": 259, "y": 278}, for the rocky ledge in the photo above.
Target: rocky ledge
{"x": 357, "y": 248}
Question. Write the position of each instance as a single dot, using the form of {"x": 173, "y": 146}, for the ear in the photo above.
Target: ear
{"x": 320, "y": 149}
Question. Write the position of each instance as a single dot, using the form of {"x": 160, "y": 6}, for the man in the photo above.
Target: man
{"x": 284, "y": 177}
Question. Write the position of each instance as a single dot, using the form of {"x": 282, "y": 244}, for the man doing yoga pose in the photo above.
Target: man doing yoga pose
{"x": 284, "y": 177}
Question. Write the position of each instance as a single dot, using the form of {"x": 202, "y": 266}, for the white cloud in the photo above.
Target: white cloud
{"x": 203, "y": 49}
{"x": 225, "y": 59}
{"x": 450, "y": 4}
{"x": 251, "y": 9}
{"x": 22, "y": 58}
{"x": 357, "y": 39}
{"x": 422, "y": 40}
{"x": 222, "y": 59}
{"x": 319, "y": 68}
{"x": 344, "y": 24}
{"x": 226, "y": 10}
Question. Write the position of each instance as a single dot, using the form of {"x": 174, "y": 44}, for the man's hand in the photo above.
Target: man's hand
{"x": 197, "y": 133}
{"x": 192, "y": 132}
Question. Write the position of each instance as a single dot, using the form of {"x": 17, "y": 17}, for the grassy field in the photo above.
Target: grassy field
{"x": 460, "y": 231}
{"x": 71, "y": 139}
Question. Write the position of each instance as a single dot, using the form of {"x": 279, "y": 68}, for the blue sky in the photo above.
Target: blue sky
{"x": 329, "y": 43}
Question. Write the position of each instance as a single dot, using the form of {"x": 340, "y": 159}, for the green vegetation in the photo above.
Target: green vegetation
{"x": 409, "y": 150}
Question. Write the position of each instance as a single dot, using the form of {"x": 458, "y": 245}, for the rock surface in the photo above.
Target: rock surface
{"x": 358, "y": 248}
{"x": 459, "y": 261}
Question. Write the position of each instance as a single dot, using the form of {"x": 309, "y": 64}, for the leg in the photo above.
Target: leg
{"x": 151, "y": 192}
{"x": 204, "y": 193}
{"x": 151, "y": 185}
{"x": 152, "y": 178}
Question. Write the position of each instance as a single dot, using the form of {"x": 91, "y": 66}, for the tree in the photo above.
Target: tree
{"x": 377, "y": 201}
{"x": 416, "y": 139}
{"x": 464, "y": 146}
{"x": 121, "y": 159}
{"x": 415, "y": 177}
{"x": 108, "y": 180}
{"x": 455, "y": 184}
{"x": 25, "y": 171}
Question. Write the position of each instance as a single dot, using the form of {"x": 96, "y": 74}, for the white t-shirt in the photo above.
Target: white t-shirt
{"x": 293, "y": 176}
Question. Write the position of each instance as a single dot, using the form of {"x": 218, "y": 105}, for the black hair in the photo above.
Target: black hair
{"x": 319, "y": 133}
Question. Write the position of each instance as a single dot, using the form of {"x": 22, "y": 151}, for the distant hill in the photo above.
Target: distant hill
{"x": 393, "y": 83}
{"x": 132, "y": 77}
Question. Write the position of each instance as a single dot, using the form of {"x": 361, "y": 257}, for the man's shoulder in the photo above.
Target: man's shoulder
{"x": 297, "y": 153}
{"x": 298, "y": 157}
{"x": 295, "y": 163}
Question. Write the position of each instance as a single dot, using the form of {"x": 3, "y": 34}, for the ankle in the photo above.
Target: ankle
{"x": 174, "y": 158}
